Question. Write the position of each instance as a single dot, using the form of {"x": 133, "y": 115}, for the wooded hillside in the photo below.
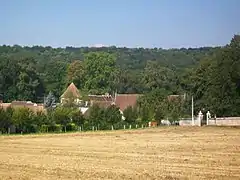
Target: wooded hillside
{"x": 211, "y": 74}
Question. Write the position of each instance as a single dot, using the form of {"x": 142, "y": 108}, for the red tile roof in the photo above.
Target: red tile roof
{"x": 103, "y": 104}
{"x": 71, "y": 89}
{"x": 100, "y": 98}
{"x": 124, "y": 100}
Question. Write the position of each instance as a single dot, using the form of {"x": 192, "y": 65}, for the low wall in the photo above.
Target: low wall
{"x": 185, "y": 123}
{"x": 188, "y": 122}
{"x": 228, "y": 121}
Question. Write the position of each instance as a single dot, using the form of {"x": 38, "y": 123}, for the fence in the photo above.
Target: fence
{"x": 227, "y": 121}
{"x": 189, "y": 122}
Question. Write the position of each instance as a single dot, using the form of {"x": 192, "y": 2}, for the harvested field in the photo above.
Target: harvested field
{"x": 158, "y": 153}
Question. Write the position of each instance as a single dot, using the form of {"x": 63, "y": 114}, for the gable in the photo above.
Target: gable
{"x": 71, "y": 90}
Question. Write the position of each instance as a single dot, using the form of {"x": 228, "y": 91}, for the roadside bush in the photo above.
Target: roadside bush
{"x": 43, "y": 128}
{"x": 71, "y": 127}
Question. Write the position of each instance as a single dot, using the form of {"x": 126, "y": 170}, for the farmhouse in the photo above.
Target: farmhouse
{"x": 23, "y": 104}
{"x": 120, "y": 100}
{"x": 71, "y": 94}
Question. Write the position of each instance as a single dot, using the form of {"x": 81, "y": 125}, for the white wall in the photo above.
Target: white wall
{"x": 228, "y": 121}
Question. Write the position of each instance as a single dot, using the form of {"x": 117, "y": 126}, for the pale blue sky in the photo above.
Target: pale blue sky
{"x": 130, "y": 23}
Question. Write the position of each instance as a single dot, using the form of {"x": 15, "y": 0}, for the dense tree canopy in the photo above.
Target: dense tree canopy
{"x": 37, "y": 70}
{"x": 216, "y": 81}
{"x": 210, "y": 74}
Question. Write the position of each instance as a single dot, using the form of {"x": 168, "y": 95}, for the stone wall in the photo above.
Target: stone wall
{"x": 227, "y": 121}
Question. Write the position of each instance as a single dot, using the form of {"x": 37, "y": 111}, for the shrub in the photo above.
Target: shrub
{"x": 71, "y": 127}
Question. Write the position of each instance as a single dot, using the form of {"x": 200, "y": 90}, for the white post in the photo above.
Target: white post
{"x": 200, "y": 118}
{"x": 130, "y": 126}
{"x": 192, "y": 113}
{"x": 149, "y": 124}
{"x": 208, "y": 116}
{"x": 112, "y": 128}
{"x": 93, "y": 128}
{"x": 142, "y": 126}
{"x": 124, "y": 127}
{"x": 80, "y": 128}
{"x": 136, "y": 126}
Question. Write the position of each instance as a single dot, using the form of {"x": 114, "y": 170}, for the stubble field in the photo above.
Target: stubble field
{"x": 159, "y": 153}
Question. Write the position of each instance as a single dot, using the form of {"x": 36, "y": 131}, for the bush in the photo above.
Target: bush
{"x": 55, "y": 128}
{"x": 71, "y": 127}
{"x": 44, "y": 128}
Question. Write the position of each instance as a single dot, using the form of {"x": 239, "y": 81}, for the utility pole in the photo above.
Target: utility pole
{"x": 192, "y": 112}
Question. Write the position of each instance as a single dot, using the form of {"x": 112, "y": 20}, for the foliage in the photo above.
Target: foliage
{"x": 96, "y": 117}
{"x": 158, "y": 77}
{"x": 152, "y": 106}
{"x": 100, "y": 72}
{"x": 210, "y": 75}
{"x": 216, "y": 81}
{"x": 4, "y": 121}
{"x": 23, "y": 119}
{"x": 75, "y": 74}
{"x": 130, "y": 114}
{"x": 61, "y": 115}
{"x": 112, "y": 115}
{"x": 175, "y": 109}
{"x": 50, "y": 101}
{"x": 77, "y": 117}
{"x": 30, "y": 72}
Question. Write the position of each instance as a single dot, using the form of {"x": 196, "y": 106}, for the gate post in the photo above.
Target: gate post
{"x": 208, "y": 116}
{"x": 200, "y": 115}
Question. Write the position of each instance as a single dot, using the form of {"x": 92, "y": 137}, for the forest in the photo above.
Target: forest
{"x": 210, "y": 74}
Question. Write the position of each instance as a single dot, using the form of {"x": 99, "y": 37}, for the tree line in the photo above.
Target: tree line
{"x": 31, "y": 72}
{"x": 68, "y": 117}
{"x": 210, "y": 75}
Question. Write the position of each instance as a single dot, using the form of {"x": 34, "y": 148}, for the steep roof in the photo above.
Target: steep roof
{"x": 71, "y": 89}
{"x": 124, "y": 100}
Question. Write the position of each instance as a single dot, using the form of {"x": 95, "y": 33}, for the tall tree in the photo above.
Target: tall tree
{"x": 9, "y": 72}
{"x": 112, "y": 115}
{"x": 55, "y": 76}
{"x": 96, "y": 117}
{"x": 100, "y": 72}
{"x": 156, "y": 77}
{"x": 4, "y": 120}
{"x": 23, "y": 119}
{"x": 29, "y": 84}
{"x": 217, "y": 81}
{"x": 130, "y": 114}
{"x": 75, "y": 74}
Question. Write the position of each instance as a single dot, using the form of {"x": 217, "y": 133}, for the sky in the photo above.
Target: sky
{"x": 128, "y": 23}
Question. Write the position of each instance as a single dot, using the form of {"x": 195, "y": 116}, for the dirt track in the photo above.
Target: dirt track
{"x": 161, "y": 153}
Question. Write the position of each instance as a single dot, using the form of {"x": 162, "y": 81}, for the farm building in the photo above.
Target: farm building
{"x": 23, "y": 104}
